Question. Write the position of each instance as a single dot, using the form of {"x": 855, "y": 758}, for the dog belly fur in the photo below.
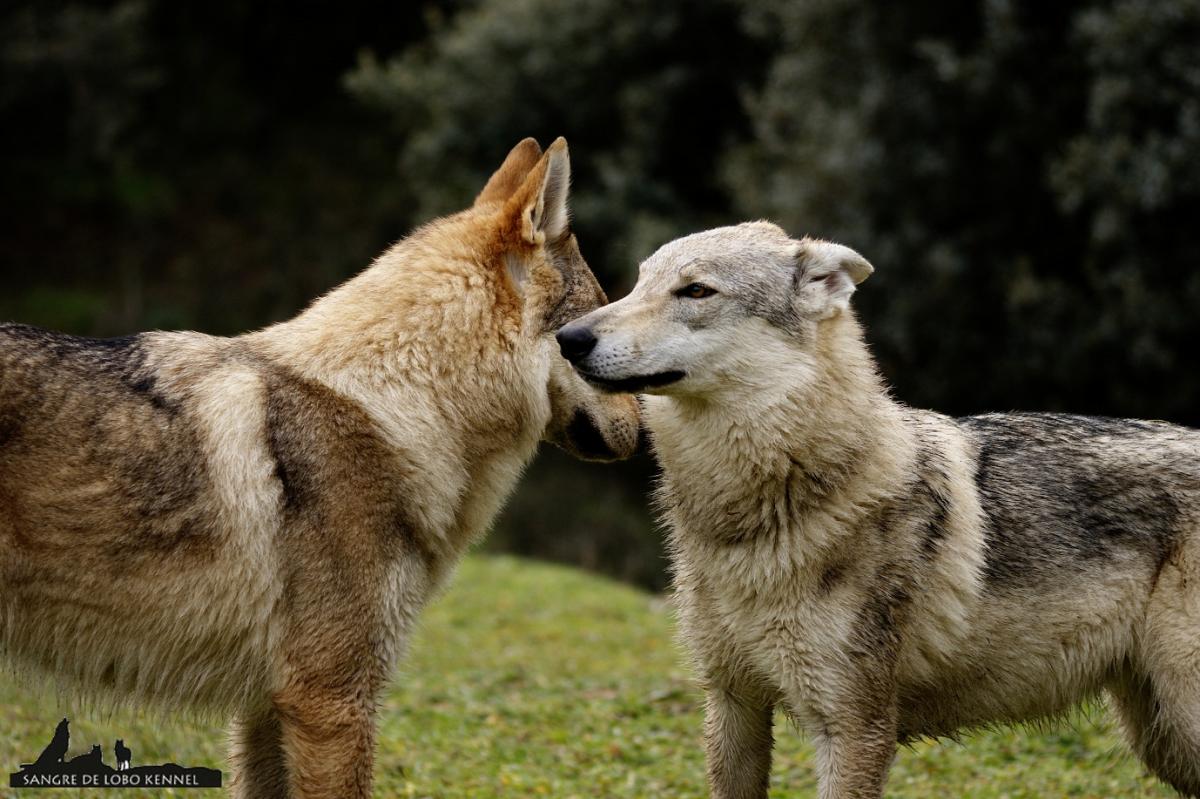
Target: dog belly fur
{"x": 1028, "y": 660}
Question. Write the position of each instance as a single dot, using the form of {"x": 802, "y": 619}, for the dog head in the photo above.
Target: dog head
{"x": 529, "y": 195}
{"x": 724, "y": 309}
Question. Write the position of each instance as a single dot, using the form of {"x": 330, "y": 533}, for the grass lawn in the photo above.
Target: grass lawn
{"x": 535, "y": 680}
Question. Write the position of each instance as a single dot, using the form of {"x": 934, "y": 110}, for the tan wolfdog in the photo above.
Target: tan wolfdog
{"x": 250, "y": 525}
{"x": 884, "y": 573}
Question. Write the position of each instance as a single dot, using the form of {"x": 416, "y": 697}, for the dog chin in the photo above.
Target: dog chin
{"x": 635, "y": 384}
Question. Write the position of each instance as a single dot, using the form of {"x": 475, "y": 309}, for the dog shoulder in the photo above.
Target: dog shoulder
{"x": 334, "y": 465}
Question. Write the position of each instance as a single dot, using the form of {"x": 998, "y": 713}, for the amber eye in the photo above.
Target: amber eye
{"x": 695, "y": 291}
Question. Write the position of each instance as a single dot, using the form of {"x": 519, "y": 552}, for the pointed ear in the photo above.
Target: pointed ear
{"x": 511, "y": 174}
{"x": 541, "y": 204}
{"x": 827, "y": 274}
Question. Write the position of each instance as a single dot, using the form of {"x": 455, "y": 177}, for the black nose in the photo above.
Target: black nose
{"x": 575, "y": 342}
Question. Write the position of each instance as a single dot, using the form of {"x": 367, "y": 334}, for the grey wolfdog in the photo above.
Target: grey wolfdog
{"x": 251, "y": 525}
{"x": 883, "y": 573}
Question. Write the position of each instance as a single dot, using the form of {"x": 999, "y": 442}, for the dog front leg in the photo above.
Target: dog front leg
{"x": 328, "y": 736}
{"x": 738, "y": 741}
{"x": 854, "y": 752}
{"x": 259, "y": 767}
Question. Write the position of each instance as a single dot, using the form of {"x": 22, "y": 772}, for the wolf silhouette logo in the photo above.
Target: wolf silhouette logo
{"x": 53, "y": 769}
{"x": 123, "y": 754}
{"x": 56, "y": 749}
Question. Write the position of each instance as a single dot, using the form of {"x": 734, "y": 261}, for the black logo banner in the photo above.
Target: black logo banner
{"x": 54, "y": 769}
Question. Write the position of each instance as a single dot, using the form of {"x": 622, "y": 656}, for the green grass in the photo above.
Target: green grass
{"x": 534, "y": 680}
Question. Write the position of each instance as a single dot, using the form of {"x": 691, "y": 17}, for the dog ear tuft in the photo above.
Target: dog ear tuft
{"x": 508, "y": 178}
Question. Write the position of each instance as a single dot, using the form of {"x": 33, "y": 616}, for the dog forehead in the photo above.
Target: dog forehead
{"x": 734, "y": 250}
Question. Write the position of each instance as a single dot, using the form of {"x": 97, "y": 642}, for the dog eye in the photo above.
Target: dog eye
{"x": 695, "y": 291}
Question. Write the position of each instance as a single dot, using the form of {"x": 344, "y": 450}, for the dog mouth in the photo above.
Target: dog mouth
{"x": 632, "y": 385}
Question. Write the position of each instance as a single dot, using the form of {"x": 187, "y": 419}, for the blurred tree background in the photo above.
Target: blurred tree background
{"x": 1025, "y": 177}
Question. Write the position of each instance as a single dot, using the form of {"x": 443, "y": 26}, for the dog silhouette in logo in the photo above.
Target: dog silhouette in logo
{"x": 123, "y": 754}
{"x": 56, "y": 749}
{"x": 92, "y": 758}
{"x": 55, "y": 761}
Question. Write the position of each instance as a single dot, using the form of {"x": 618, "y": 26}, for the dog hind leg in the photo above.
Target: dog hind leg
{"x": 260, "y": 769}
{"x": 1167, "y": 748}
{"x": 1159, "y": 701}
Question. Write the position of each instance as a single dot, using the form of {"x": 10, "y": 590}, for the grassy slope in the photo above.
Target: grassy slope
{"x": 532, "y": 680}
